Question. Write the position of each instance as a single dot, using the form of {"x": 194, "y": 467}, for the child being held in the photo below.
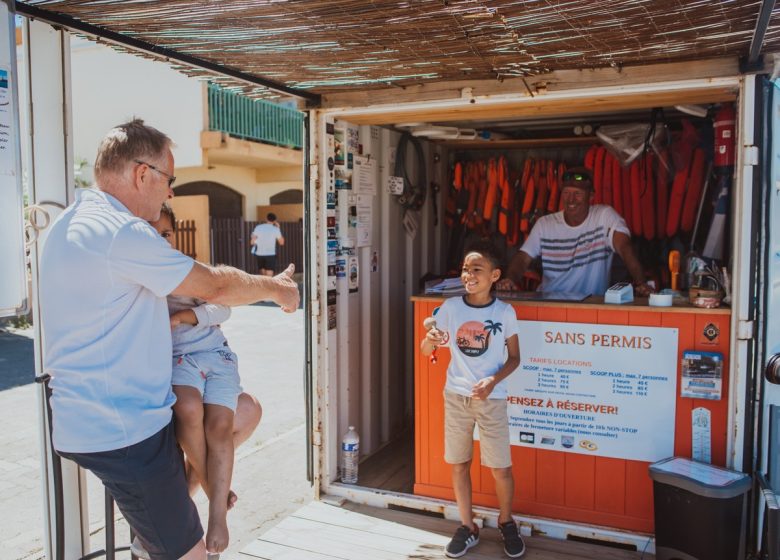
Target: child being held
{"x": 481, "y": 333}
{"x": 207, "y": 386}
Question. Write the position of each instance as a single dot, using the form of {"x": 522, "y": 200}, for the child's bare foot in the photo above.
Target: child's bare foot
{"x": 232, "y": 499}
{"x": 217, "y": 536}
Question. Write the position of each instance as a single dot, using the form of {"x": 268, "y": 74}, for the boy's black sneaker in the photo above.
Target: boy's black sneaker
{"x": 514, "y": 547}
{"x": 463, "y": 540}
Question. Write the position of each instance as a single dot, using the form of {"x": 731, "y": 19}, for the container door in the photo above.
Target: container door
{"x": 769, "y": 329}
{"x": 308, "y": 263}
{"x": 13, "y": 278}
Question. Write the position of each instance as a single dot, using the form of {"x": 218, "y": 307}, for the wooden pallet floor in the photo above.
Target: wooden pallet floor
{"x": 319, "y": 531}
{"x": 391, "y": 468}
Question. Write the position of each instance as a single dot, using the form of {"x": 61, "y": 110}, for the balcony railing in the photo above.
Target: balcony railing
{"x": 254, "y": 119}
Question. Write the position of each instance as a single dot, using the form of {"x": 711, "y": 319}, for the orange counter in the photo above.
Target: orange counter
{"x": 567, "y": 486}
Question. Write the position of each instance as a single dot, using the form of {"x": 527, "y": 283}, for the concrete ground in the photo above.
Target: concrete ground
{"x": 270, "y": 470}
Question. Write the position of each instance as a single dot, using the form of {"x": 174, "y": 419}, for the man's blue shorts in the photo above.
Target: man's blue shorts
{"x": 148, "y": 484}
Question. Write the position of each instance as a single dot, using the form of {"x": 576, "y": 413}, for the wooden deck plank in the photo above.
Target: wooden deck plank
{"x": 271, "y": 551}
{"x": 317, "y": 511}
{"x": 319, "y": 531}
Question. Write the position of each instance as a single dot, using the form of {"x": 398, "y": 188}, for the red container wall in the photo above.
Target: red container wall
{"x": 567, "y": 486}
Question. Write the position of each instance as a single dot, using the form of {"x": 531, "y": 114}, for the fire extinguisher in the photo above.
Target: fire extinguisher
{"x": 724, "y": 125}
{"x": 723, "y": 166}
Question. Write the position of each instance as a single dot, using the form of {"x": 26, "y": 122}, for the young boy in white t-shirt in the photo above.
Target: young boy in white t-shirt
{"x": 481, "y": 333}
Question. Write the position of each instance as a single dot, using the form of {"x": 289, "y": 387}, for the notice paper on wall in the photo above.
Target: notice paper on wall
{"x": 602, "y": 390}
{"x": 365, "y": 205}
{"x": 364, "y": 175}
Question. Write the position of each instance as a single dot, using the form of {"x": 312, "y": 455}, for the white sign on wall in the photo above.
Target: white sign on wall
{"x": 13, "y": 273}
{"x": 602, "y": 390}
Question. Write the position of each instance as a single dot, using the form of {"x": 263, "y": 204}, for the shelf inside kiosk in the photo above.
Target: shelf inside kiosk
{"x": 668, "y": 173}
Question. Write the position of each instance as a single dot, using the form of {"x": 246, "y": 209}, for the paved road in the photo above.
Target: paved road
{"x": 270, "y": 471}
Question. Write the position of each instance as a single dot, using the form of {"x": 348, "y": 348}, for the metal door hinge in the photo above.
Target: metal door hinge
{"x": 745, "y": 330}
{"x": 315, "y": 308}
{"x": 750, "y": 155}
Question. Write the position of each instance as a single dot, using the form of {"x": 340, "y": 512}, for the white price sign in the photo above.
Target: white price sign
{"x": 603, "y": 390}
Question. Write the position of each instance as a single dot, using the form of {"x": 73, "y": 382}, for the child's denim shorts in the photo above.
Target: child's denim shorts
{"x": 214, "y": 374}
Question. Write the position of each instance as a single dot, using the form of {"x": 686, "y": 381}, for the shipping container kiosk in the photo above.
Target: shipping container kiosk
{"x": 366, "y": 368}
{"x": 366, "y": 257}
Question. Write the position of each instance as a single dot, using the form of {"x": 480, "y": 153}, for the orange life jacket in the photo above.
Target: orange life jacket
{"x": 555, "y": 188}
{"x": 676, "y": 202}
{"x": 506, "y": 196}
{"x": 482, "y": 186}
{"x": 542, "y": 189}
{"x": 617, "y": 187}
{"x": 648, "y": 197}
{"x": 528, "y": 201}
{"x": 450, "y": 206}
{"x": 606, "y": 180}
{"x": 662, "y": 193}
{"x": 693, "y": 193}
{"x": 590, "y": 157}
{"x": 628, "y": 206}
{"x": 636, "y": 197}
{"x": 598, "y": 173}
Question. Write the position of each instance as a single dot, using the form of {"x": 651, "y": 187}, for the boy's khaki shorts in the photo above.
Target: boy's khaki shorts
{"x": 460, "y": 415}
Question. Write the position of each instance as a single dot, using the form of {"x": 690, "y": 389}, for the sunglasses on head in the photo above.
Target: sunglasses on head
{"x": 575, "y": 177}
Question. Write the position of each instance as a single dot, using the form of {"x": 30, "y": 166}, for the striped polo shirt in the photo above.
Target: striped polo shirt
{"x": 575, "y": 259}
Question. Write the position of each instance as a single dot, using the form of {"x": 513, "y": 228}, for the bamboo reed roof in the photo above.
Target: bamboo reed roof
{"x": 327, "y": 46}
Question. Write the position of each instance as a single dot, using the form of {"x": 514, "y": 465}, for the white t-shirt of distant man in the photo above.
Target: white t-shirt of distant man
{"x": 575, "y": 259}
{"x": 266, "y": 235}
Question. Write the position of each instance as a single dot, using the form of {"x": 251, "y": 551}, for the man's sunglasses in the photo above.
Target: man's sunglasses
{"x": 575, "y": 177}
{"x": 171, "y": 178}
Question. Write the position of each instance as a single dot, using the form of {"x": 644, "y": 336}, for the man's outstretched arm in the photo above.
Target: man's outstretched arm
{"x": 226, "y": 285}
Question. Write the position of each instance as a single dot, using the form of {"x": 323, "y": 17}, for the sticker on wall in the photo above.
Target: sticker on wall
{"x": 711, "y": 332}
{"x": 352, "y": 268}
{"x": 331, "y": 309}
{"x": 341, "y": 267}
{"x": 395, "y": 185}
{"x": 330, "y": 201}
{"x": 702, "y": 375}
{"x": 338, "y": 134}
{"x": 343, "y": 179}
{"x": 701, "y": 429}
{"x": 374, "y": 261}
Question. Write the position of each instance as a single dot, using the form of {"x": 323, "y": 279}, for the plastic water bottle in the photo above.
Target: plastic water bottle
{"x": 350, "y": 454}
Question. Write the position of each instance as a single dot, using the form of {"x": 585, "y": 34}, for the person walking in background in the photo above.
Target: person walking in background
{"x": 105, "y": 274}
{"x": 265, "y": 236}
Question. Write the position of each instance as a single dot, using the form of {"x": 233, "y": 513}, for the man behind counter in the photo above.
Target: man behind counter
{"x": 576, "y": 244}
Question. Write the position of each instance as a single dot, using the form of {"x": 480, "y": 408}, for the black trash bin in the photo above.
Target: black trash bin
{"x": 700, "y": 510}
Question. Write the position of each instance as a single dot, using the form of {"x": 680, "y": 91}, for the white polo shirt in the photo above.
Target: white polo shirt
{"x": 107, "y": 338}
{"x": 267, "y": 234}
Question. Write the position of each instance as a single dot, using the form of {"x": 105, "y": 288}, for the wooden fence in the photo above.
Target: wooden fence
{"x": 230, "y": 244}
{"x": 185, "y": 237}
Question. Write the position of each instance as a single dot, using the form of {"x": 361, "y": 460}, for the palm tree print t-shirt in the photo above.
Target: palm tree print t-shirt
{"x": 476, "y": 337}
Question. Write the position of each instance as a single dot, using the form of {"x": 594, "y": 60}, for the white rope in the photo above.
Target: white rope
{"x": 38, "y": 219}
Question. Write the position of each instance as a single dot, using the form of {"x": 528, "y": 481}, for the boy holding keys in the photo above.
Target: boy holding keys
{"x": 477, "y": 327}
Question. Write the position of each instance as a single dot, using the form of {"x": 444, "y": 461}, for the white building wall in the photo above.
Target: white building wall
{"x": 110, "y": 88}
{"x": 241, "y": 179}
